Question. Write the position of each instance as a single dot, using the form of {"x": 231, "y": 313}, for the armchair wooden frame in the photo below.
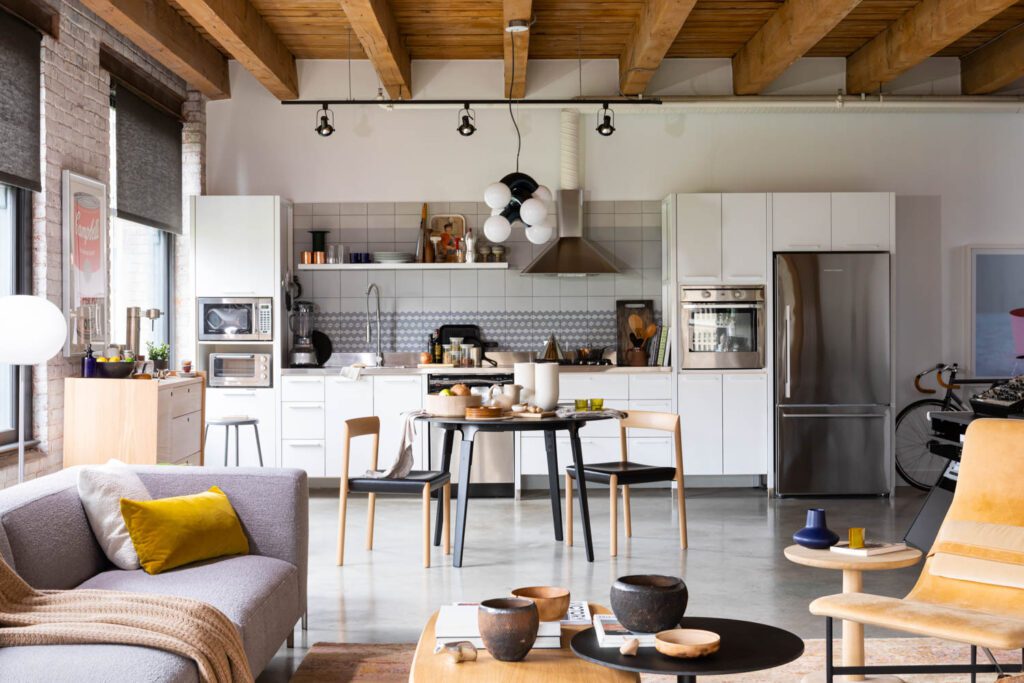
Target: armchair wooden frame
{"x": 637, "y": 419}
{"x": 370, "y": 426}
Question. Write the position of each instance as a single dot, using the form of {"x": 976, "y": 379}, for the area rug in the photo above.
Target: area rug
{"x": 359, "y": 663}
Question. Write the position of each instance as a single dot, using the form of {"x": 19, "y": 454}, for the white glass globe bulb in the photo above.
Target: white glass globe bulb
{"x": 497, "y": 228}
{"x": 44, "y": 330}
{"x": 539, "y": 234}
{"x": 542, "y": 193}
{"x": 497, "y": 195}
{"x": 533, "y": 211}
{"x": 497, "y": 212}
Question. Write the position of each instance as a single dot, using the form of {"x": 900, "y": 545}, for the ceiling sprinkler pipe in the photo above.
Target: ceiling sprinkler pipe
{"x": 570, "y": 150}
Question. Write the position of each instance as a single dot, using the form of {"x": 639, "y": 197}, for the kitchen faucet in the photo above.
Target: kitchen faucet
{"x": 373, "y": 288}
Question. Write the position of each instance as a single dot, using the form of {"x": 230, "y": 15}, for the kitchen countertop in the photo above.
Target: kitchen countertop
{"x": 610, "y": 369}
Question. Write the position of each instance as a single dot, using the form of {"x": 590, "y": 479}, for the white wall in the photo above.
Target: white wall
{"x": 958, "y": 177}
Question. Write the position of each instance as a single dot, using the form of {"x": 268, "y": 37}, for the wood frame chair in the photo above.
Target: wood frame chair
{"x": 421, "y": 482}
{"x": 624, "y": 473}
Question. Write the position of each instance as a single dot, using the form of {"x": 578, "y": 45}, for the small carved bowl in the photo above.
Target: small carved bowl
{"x": 649, "y": 603}
{"x": 552, "y": 601}
{"x": 508, "y": 627}
{"x": 687, "y": 643}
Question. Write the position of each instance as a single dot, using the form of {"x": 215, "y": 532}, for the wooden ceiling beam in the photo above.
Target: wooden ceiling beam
{"x": 375, "y": 27}
{"x": 995, "y": 65}
{"x": 655, "y": 30}
{"x": 161, "y": 32}
{"x": 920, "y": 33}
{"x": 796, "y": 27}
{"x": 239, "y": 28}
{"x": 512, "y": 10}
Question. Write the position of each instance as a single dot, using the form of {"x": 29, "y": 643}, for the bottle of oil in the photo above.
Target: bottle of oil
{"x": 436, "y": 343}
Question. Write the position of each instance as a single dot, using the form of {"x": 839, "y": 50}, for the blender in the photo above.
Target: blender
{"x": 300, "y": 320}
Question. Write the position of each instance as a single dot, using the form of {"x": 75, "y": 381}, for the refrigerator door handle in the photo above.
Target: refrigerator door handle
{"x": 789, "y": 348}
{"x": 832, "y": 416}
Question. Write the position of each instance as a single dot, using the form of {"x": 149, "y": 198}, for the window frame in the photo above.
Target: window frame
{"x": 22, "y": 285}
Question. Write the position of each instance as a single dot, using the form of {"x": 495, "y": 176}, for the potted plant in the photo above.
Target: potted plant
{"x": 159, "y": 354}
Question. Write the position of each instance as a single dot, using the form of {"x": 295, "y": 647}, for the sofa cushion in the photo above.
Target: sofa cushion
{"x": 259, "y": 594}
{"x": 94, "y": 664}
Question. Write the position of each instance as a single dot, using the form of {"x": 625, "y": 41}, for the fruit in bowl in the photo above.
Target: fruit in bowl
{"x": 460, "y": 390}
{"x": 111, "y": 369}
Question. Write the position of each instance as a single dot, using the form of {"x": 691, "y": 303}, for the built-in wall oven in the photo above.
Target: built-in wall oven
{"x": 236, "y": 319}
{"x": 722, "y": 327}
{"x": 239, "y": 370}
{"x": 493, "y": 473}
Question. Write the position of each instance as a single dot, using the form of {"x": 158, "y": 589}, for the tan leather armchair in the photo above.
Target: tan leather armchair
{"x": 971, "y": 589}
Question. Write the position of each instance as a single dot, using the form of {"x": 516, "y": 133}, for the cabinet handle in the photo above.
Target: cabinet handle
{"x": 305, "y": 445}
{"x": 300, "y": 380}
{"x": 317, "y": 407}
{"x": 805, "y": 245}
{"x": 241, "y": 393}
{"x": 240, "y": 293}
{"x": 864, "y": 245}
{"x": 400, "y": 380}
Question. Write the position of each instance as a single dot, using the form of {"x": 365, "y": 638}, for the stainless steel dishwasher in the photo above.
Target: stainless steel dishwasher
{"x": 494, "y": 454}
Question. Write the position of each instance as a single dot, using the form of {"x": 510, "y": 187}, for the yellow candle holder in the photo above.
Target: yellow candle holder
{"x": 856, "y": 537}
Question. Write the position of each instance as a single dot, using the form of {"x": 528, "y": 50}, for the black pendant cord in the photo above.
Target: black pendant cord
{"x": 511, "y": 84}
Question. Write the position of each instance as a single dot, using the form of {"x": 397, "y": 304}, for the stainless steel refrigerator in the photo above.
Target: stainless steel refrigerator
{"x": 832, "y": 374}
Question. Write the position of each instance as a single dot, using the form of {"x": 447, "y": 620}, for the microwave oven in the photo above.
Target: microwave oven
{"x": 236, "y": 319}
{"x": 239, "y": 370}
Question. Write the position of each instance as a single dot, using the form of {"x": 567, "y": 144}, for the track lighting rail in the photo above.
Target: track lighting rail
{"x": 575, "y": 101}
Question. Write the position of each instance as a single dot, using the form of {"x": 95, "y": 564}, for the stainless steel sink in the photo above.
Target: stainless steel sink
{"x": 391, "y": 360}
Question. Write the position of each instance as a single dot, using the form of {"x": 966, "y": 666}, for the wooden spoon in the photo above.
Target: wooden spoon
{"x": 651, "y": 330}
{"x": 636, "y": 324}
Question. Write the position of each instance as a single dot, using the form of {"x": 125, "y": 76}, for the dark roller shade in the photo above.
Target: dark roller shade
{"x": 19, "y": 103}
{"x": 148, "y": 163}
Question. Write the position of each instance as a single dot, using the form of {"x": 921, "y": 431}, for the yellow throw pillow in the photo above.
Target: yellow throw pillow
{"x": 171, "y": 532}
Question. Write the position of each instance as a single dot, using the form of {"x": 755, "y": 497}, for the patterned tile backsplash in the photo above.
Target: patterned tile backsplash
{"x": 517, "y": 311}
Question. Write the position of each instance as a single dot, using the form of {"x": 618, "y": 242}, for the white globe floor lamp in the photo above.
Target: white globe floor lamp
{"x": 32, "y": 331}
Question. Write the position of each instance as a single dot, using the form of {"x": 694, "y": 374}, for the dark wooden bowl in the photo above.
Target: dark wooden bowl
{"x": 508, "y": 627}
{"x": 649, "y": 603}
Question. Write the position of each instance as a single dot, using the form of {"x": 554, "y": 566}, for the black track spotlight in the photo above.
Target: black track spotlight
{"x": 325, "y": 122}
{"x": 606, "y": 121}
{"x": 466, "y": 118}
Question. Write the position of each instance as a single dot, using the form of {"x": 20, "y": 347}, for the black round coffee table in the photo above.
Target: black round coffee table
{"x": 746, "y": 646}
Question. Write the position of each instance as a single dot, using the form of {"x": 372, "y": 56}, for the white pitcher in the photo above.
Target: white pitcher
{"x": 523, "y": 375}
{"x": 546, "y": 386}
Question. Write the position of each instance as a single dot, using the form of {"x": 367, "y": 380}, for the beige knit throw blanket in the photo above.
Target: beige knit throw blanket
{"x": 186, "y": 627}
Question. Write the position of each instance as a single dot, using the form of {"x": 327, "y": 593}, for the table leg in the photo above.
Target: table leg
{"x": 446, "y": 462}
{"x": 556, "y": 499}
{"x": 581, "y": 480}
{"x": 465, "y": 465}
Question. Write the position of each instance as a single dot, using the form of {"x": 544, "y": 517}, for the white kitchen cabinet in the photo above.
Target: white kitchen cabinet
{"x": 744, "y": 423}
{"x": 346, "y": 399}
{"x": 605, "y": 428}
{"x": 801, "y": 221}
{"x": 392, "y": 396}
{"x": 236, "y": 245}
{"x": 744, "y": 237}
{"x": 653, "y": 385}
{"x": 302, "y": 388}
{"x": 304, "y": 455}
{"x": 700, "y": 410}
{"x": 699, "y": 238}
{"x": 657, "y": 452}
{"x": 534, "y": 455}
{"x": 257, "y": 403}
{"x": 573, "y": 385}
{"x": 861, "y": 221}
{"x": 302, "y": 420}
{"x": 653, "y": 406}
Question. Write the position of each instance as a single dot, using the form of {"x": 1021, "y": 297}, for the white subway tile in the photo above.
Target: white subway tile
{"x": 331, "y": 305}
{"x": 518, "y": 285}
{"x": 491, "y": 283}
{"x": 352, "y": 236}
{"x": 304, "y": 222}
{"x": 326, "y": 283}
{"x": 652, "y": 206}
{"x": 546, "y": 303}
{"x": 572, "y": 286}
{"x": 629, "y": 254}
{"x": 407, "y": 234}
{"x": 409, "y": 283}
{"x": 326, "y": 222}
{"x": 629, "y": 284}
{"x": 651, "y": 254}
{"x": 491, "y": 304}
{"x": 463, "y": 283}
{"x": 651, "y": 233}
{"x": 436, "y": 283}
{"x": 600, "y": 220}
{"x": 437, "y": 304}
{"x": 352, "y": 209}
{"x": 600, "y": 303}
{"x": 302, "y": 209}
{"x": 380, "y": 221}
{"x": 351, "y": 305}
{"x": 462, "y": 304}
{"x": 601, "y": 285}
{"x": 408, "y": 304}
{"x": 326, "y": 209}
{"x": 628, "y": 207}
{"x": 352, "y": 221}
{"x": 652, "y": 282}
{"x": 650, "y": 219}
{"x": 600, "y": 207}
{"x": 384, "y": 279}
{"x": 462, "y": 208}
{"x": 407, "y": 220}
{"x": 573, "y": 303}
{"x": 518, "y": 303}
{"x": 409, "y": 209}
{"x": 381, "y": 208}
{"x": 353, "y": 283}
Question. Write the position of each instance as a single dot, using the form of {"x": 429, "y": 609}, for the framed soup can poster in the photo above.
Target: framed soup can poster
{"x": 86, "y": 300}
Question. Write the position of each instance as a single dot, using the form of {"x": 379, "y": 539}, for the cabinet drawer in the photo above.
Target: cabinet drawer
{"x": 302, "y": 420}
{"x": 658, "y": 452}
{"x": 650, "y": 386}
{"x": 185, "y": 432}
{"x": 651, "y": 406}
{"x": 184, "y": 399}
{"x": 573, "y": 385}
{"x": 304, "y": 455}
{"x": 534, "y": 459}
{"x": 605, "y": 428}
{"x": 302, "y": 388}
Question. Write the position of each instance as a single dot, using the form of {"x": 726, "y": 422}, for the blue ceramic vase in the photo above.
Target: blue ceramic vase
{"x": 816, "y": 534}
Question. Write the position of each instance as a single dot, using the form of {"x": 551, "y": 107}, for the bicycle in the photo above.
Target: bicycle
{"x": 915, "y": 462}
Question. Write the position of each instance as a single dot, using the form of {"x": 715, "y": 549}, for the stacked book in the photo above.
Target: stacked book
{"x": 869, "y": 549}
{"x": 458, "y": 622}
{"x": 610, "y": 633}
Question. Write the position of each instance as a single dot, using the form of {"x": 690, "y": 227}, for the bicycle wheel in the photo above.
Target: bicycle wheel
{"x": 918, "y": 466}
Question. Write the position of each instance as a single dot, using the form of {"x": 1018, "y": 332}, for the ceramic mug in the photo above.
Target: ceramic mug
{"x": 513, "y": 391}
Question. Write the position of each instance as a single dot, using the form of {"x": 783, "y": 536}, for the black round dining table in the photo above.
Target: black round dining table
{"x": 469, "y": 429}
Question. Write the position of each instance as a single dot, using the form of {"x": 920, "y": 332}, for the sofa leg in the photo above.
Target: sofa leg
{"x": 291, "y": 639}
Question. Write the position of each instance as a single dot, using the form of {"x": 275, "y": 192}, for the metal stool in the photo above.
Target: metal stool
{"x": 236, "y": 422}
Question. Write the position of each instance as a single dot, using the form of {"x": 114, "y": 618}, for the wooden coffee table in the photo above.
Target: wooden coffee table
{"x": 853, "y": 569}
{"x": 539, "y": 665}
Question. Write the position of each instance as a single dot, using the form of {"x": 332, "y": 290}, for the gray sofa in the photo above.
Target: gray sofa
{"x": 46, "y": 538}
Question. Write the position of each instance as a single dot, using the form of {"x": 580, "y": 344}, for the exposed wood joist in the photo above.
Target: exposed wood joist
{"x": 513, "y": 10}
{"x": 239, "y": 28}
{"x": 995, "y": 65}
{"x": 656, "y": 29}
{"x": 161, "y": 32}
{"x": 791, "y": 31}
{"x": 374, "y": 25}
{"x": 920, "y": 33}
{"x": 38, "y": 14}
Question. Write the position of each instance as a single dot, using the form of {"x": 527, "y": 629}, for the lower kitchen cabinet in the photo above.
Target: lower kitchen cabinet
{"x": 724, "y": 423}
{"x": 304, "y": 455}
{"x": 257, "y": 403}
{"x": 347, "y": 399}
{"x": 534, "y": 458}
{"x": 392, "y": 396}
{"x": 700, "y": 412}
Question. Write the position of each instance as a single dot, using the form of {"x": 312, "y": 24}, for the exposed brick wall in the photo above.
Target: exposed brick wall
{"x": 75, "y": 136}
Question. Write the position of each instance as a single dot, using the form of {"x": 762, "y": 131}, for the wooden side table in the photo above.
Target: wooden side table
{"x": 853, "y": 569}
{"x": 558, "y": 666}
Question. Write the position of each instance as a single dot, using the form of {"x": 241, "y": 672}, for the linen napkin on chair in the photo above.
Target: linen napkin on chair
{"x": 402, "y": 465}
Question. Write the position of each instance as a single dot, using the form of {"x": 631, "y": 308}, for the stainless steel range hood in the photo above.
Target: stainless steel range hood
{"x": 571, "y": 253}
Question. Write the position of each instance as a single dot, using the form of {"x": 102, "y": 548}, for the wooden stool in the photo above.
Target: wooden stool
{"x": 236, "y": 422}
{"x": 417, "y": 481}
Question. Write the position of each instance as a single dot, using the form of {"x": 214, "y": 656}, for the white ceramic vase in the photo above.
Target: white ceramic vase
{"x": 523, "y": 374}
{"x": 546, "y": 386}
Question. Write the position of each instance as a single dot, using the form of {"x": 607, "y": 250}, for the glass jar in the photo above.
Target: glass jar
{"x": 456, "y": 343}
{"x": 467, "y": 355}
{"x": 446, "y": 354}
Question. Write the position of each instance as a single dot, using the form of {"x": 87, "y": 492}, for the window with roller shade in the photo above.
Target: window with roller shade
{"x": 19, "y": 103}
{"x": 15, "y": 278}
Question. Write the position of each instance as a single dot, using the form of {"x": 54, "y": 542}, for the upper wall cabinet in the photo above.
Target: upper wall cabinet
{"x": 861, "y": 221}
{"x": 235, "y": 243}
{"x": 744, "y": 237}
{"x": 801, "y": 221}
{"x": 721, "y": 238}
{"x": 699, "y": 238}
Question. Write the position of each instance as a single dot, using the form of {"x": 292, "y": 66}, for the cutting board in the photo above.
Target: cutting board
{"x": 623, "y": 309}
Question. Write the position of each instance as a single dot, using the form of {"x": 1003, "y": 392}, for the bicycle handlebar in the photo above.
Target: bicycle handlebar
{"x": 917, "y": 384}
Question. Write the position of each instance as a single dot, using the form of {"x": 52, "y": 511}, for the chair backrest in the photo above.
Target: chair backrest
{"x": 355, "y": 427}
{"x": 647, "y": 419}
{"x": 977, "y": 560}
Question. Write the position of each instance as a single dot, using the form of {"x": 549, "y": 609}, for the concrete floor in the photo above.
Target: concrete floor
{"x": 733, "y": 568}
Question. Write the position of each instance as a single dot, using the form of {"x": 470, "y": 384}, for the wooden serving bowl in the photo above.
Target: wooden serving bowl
{"x": 450, "y": 406}
{"x": 687, "y": 643}
{"x": 552, "y": 601}
{"x": 486, "y": 412}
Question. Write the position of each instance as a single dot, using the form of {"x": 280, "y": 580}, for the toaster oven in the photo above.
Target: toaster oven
{"x": 239, "y": 370}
